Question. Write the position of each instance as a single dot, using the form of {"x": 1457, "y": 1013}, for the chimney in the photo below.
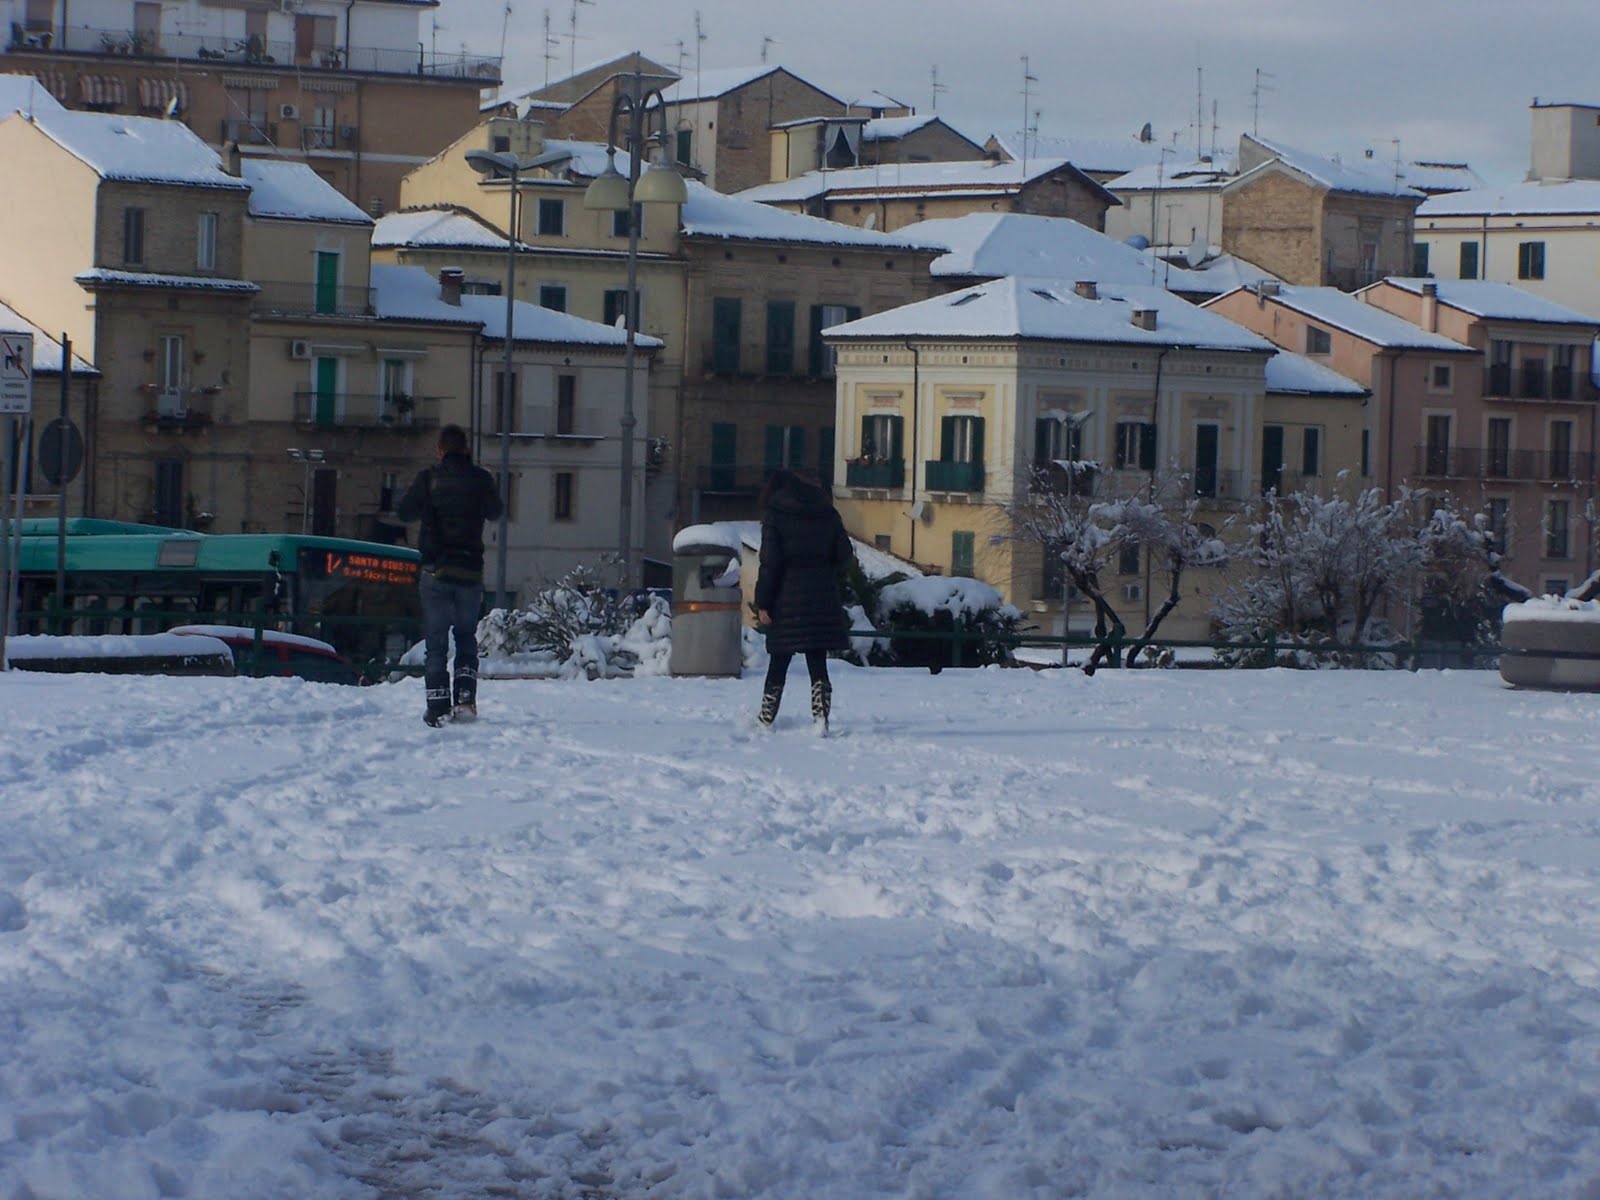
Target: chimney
{"x": 1430, "y": 307}
{"x": 1144, "y": 318}
{"x": 450, "y": 280}
{"x": 233, "y": 160}
{"x": 1087, "y": 289}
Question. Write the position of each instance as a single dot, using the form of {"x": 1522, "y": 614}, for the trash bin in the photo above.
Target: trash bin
{"x": 706, "y": 625}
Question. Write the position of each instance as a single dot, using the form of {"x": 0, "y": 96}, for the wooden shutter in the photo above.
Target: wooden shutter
{"x": 897, "y": 451}
{"x": 947, "y": 439}
{"x": 773, "y": 456}
{"x": 1147, "y": 447}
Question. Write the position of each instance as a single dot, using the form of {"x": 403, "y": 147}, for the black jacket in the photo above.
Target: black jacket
{"x": 804, "y": 549}
{"x": 452, "y": 499}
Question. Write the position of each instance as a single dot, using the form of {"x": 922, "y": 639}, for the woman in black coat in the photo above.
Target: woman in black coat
{"x": 804, "y": 550}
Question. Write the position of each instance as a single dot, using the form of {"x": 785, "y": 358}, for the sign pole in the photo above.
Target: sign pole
{"x": 5, "y": 540}
{"x": 16, "y": 402}
{"x": 56, "y": 625}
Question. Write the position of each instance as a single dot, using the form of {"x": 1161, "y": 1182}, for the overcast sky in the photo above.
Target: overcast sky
{"x": 1451, "y": 79}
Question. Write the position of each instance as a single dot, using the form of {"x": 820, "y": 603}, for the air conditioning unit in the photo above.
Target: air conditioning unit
{"x": 300, "y": 349}
{"x": 347, "y": 133}
{"x": 1133, "y": 591}
{"x": 288, "y": 112}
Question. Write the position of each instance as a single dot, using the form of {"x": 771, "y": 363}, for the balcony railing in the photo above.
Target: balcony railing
{"x": 1218, "y": 484}
{"x": 483, "y": 69}
{"x": 250, "y": 133}
{"x": 890, "y": 473}
{"x": 1054, "y": 477}
{"x": 549, "y": 421}
{"x": 353, "y": 410}
{"x": 954, "y": 477}
{"x": 1531, "y": 381}
{"x": 732, "y": 480}
{"x": 314, "y": 299}
{"x": 1473, "y": 462}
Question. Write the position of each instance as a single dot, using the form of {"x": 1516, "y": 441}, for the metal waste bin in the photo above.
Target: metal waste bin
{"x": 706, "y": 625}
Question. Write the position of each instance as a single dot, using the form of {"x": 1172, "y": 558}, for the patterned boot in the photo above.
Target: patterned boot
{"x": 771, "y": 697}
{"x": 466, "y": 696}
{"x": 821, "y": 704}
{"x": 438, "y": 707}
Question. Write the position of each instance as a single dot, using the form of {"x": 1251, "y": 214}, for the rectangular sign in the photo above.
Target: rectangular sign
{"x": 16, "y": 373}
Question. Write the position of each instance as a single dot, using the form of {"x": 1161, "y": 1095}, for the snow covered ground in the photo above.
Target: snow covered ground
{"x": 1008, "y": 934}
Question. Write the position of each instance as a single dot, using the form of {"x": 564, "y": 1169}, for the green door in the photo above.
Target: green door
{"x": 962, "y": 547}
{"x": 724, "y": 455}
{"x": 327, "y": 282}
{"x": 327, "y": 404}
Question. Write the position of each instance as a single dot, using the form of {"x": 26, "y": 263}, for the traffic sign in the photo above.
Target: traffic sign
{"x": 16, "y": 373}
{"x": 60, "y": 452}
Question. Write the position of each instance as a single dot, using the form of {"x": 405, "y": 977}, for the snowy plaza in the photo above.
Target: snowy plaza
{"x": 1004, "y": 934}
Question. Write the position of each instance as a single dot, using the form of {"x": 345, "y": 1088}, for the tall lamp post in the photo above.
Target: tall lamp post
{"x": 495, "y": 163}
{"x": 306, "y": 458}
{"x": 637, "y": 101}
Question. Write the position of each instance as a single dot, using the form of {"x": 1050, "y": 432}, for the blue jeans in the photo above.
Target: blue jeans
{"x": 449, "y": 608}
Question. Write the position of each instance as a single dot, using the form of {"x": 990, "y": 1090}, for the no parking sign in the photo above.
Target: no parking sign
{"x": 16, "y": 373}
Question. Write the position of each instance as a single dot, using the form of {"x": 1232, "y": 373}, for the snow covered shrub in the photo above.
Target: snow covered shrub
{"x": 934, "y": 604}
{"x": 584, "y": 627}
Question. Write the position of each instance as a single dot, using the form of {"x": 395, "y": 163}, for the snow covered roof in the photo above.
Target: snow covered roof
{"x": 412, "y": 294}
{"x": 46, "y": 349}
{"x": 1548, "y": 197}
{"x": 711, "y": 214}
{"x": 993, "y": 245}
{"x": 536, "y": 324}
{"x": 1051, "y": 310}
{"x": 1335, "y": 176}
{"x": 1226, "y": 272}
{"x": 1493, "y": 301}
{"x": 978, "y": 177}
{"x": 882, "y": 129}
{"x": 1176, "y": 177}
{"x": 708, "y": 85}
{"x": 1340, "y": 310}
{"x": 1100, "y": 155}
{"x": 1434, "y": 177}
{"x": 204, "y": 283}
{"x": 137, "y": 149}
{"x": 293, "y": 191}
{"x": 1295, "y": 374}
{"x": 876, "y": 99}
{"x": 25, "y": 94}
{"x": 442, "y": 228}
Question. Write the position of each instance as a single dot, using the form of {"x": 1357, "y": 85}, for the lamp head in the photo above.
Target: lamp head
{"x": 491, "y": 164}
{"x": 661, "y": 185}
{"x": 609, "y": 191}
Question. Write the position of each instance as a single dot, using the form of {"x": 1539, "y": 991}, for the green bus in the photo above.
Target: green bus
{"x": 125, "y": 578}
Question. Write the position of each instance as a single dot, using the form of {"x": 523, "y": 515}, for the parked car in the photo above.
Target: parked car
{"x": 285, "y": 654}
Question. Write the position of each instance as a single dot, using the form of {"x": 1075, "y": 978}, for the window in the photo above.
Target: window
{"x": 133, "y": 236}
{"x": 1419, "y": 259}
{"x": 619, "y": 221}
{"x": 1318, "y": 341}
{"x": 1366, "y": 453}
{"x": 505, "y": 408}
{"x": 1498, "y": 460}
{"x": 685, "y": 146}
{"x": 1499, "y": 381}
{"x": 1556, "y": 586}
{"x": 961, "y": 440}
{"x": 724, "y": 456}
{"x": 726, "y": 312}
{"x": 398, "y": 404}
{"x": 1437, "y": 451}
{"x": 823, "y": 356}
{"x": 881, "y": 437}
{"x": 1057, "y": 439}
{"x": 785, "y": 447}
{"x": 962, "y": 545}
{"x": 1530, "y": 260}
{"x": 561, "y": 506}
{"x": 1562, "y": 362}
{"x": 780, "y": 337}
{"x": 1498, "y": 510}
{"x": 505, "y": 487}
{"x": 615, "y": 300}
{"x": 1271, "y": 458}
{"x": 1560, "y": 449}
{"x": 1469, "y": 261}
{"x": 1311, "y": 452}
{"x": 1129, "y": 558}
{"x": 1136, "y": 446}
{"x": 205, "y": 251}
{"x": 1440, "y": 377}
{"x": 1556, "y": 529}
{"x": 566, "y": 404}
{"x": 168, "y": 498}
{"x": 1207, "y": 448}
{"x": 327, "y": 286}
{"x": 171, "y": 382}
{"x": 552, "y": 217}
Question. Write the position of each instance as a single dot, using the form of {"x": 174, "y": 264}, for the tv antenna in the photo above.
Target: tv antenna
{"x": 700, "y": 39}
{"x": 505, "y": 27}
{"x": 551, "y": 42}
{"x": 572, "y": 35}
{"x": 938, "y": 88}
{"x": 1028, "y": 78}
{"x": 1261, "y": 87}
{"x": 765, "y": 42}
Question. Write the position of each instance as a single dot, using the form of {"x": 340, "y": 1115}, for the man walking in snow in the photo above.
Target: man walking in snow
{"x": 453, "y": 498}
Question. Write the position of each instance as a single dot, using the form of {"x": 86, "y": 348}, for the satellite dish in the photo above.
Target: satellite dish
{"x": 1195, "y": 254}
{"x": 1147, "y": 134}
{"x": 871, "y": 222}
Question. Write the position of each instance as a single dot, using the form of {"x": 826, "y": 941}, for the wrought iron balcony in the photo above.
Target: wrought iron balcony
{"x": 1215, "y": 483}
{"x": 884, "y": 473}
{"x": 313, "y": 299}
{"x": 354, "y": 410}
{"x": 954, "y": 476}
{"x": 1474, "y": 462}
{"x": 1533, "y": 381}
{"x": 250, "y": 133}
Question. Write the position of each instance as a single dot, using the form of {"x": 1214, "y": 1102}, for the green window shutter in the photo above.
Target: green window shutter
{"x": 947, "y": 439}
{"x": 961, "y": 553}
{"x": 863, "y": 447}
{"x": 725, "y": 332}
{"x": 780, "y": 337}
{"x": 773, "y": 457}
{"x": 327, "y": 299}
{"x": 818, "y": 349}
{"x": 897, "y": 438}
{"x": 797, "y": 446}
{"x": 977, "y": 440}
{"x": 1147, "y": 447}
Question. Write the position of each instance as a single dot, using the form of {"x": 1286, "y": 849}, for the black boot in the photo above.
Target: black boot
{"x": 466, "y": 696}
{"x": 821, "y": 703}
{"x": 771, "y": 697}
{"x": 438, "y": 707}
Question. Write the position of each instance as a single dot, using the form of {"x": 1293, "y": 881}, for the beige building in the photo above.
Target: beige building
{"x": 1312, "y": 221}
{"x": 355, "y": 88}
{"x": 41, "y": 491}
{"x": 946, "y": 408}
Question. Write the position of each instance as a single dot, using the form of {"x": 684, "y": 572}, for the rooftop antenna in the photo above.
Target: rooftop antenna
{"x": 550, "y": 44}
{"x": 1261, "y": 87}
{"x": 505, "y": 27}
{"x": 1028, "y": 77}
{"x": 700, "y": 37}
{"x": 1199, "y": 112}
{"x": 683, "y": 53}
{"x": 572, "y": 34}
{"x": 1213, "y": 130}
{"x": 938, "y": 87}
{"x": 765, "y": 42}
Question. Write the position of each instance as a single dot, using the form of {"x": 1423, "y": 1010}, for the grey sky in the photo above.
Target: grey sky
{"x": 1451, "y": 79}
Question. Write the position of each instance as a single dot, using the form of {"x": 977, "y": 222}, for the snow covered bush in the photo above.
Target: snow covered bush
{"x": 582, "y": 629}
{"x": 935, "y": 604}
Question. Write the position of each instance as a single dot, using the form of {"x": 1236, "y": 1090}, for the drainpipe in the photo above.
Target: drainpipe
{"x": 348, "y": 37}
{"x": 1388, "y": 419}
{"x": 916, "y": 391}
{"x": 1150, "y": 487}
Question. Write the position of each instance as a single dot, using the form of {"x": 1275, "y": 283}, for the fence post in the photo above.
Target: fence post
{"x": 959, "y": 627}
{"x": 259, "y": 639}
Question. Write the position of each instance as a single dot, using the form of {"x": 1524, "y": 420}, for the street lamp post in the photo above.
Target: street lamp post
{"x": 306, "y": 458}
{"x": 490, "y": 162}
{"x": 613, "y": 192}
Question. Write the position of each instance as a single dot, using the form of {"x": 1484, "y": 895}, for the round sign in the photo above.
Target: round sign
{"x": 60, "y": 452}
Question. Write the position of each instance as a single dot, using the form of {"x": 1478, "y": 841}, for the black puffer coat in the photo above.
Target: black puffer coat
{"x": 804, "y": 549}
{"x": 453, "y": 498}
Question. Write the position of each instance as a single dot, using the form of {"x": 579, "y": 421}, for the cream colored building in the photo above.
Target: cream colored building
{"x": 947, "y": 406}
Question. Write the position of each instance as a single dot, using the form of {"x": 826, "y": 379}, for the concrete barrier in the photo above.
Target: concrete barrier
{"x": 1551, "y": 643}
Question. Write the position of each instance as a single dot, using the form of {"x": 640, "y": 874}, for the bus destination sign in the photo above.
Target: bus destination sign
{"x": 369, "y": 568}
